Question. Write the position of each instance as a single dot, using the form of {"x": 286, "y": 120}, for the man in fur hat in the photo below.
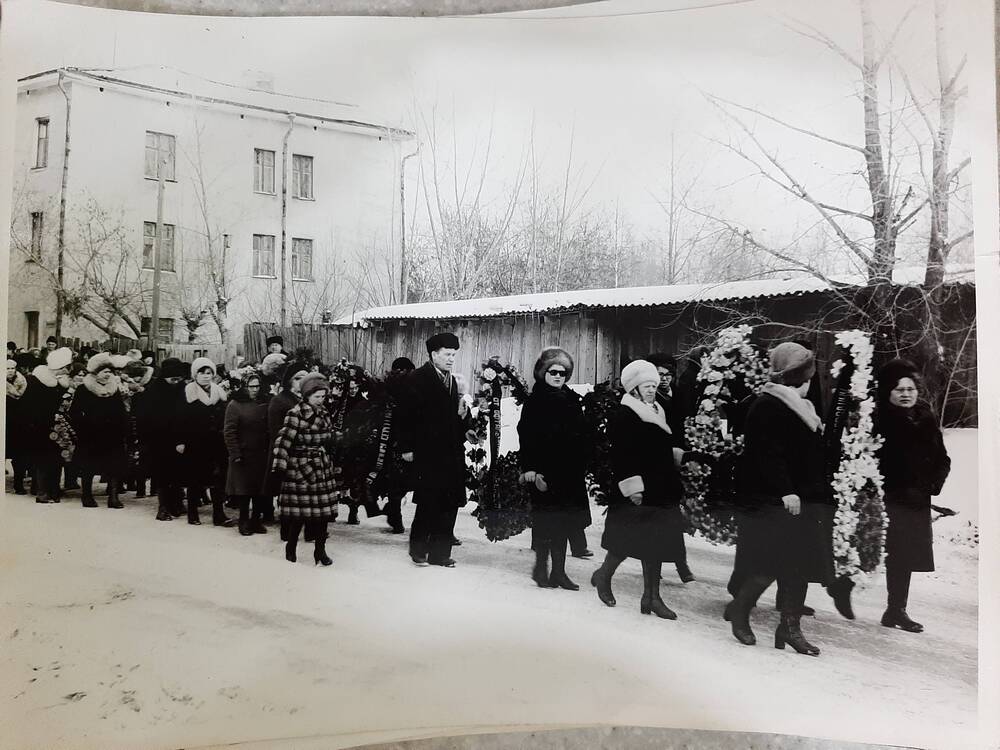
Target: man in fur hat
{"x": 434, "y": 425}
{"x": 275, "y": 345}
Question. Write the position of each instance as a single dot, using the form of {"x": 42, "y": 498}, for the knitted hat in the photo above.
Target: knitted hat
{"x": 638, "y": 372}
{"x": 201, "y": 363}
{"x": 792, "y": 364}
{"x": 100, "y": 362}
{"x": 173, "y": 368}
{"x": 311, "y": 383}
{"x": 445, "y": 340}
{"x": 890, "y": 375}
{"x": 11, "y": 362}
{"x": 59, "y": 358}
{"x": 553, "y": 355}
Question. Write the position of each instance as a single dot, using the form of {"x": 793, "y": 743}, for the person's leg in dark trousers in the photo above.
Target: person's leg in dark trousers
{"x": 442, "y": 533}
{"x": 789, "y": 631}
{"x": 20, "y": 470}
{"x": 394, "y": 512}
{"x": 266, "y": 505}
{"x": 557, "y": 550}
{"x": 87, "y": 493}
{"x": 578, "y": 543}
{"x": 193, "y": 493}
{"x": 293, "y": 527}
{"x": 219, "y": 517}
{"x": 165, "y": 502}
{"x": 244, "y": 522}
{"x": 113, "y": 489}
{"x": 259, "y": 504}
{"x": 420, "y": 531}
{"x": 898, "y": 585}
{"x": 52, "y": 475}
{"x": 71, "y": 477}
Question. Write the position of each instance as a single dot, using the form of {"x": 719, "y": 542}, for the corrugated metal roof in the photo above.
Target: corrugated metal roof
{"x": 641, "y": 296}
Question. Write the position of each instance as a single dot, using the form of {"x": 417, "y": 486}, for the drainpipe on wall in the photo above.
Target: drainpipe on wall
{"x": 284, "y": 216}
{"x": 403, "y": 275}
{"x": 61, "y": 237}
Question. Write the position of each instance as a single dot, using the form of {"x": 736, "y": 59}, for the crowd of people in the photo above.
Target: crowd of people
{"x": 278, "y": 441}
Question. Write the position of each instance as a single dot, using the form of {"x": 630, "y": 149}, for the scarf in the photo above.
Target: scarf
{"x": 16, "y": 388}
{"x": 803, "y": 408}
{"x": 112, "y": 387}
{"x": 650, "y": 413}
{"x": 194, "y": 392}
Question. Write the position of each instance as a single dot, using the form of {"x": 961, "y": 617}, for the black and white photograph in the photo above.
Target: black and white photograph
{"x": 539, "y": 373}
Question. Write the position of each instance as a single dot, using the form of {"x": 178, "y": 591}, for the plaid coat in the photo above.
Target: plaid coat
{"x": 301, "y": 457}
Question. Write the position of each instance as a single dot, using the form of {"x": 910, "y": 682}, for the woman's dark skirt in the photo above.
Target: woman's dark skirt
{"x": 909, "y": 542}
{"x": 772, "y": 542}
{"x": 644, "y": 532}
{"x": 548, "y": 524}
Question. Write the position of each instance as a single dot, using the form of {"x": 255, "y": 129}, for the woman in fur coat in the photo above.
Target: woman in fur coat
{"x": 914, "y": 465}
{"x": 200, "y": 420}
{"x": 100, "y": 418}
{"x": 556, "y": 447}
{"x": 784, "y": 524}
{"x": 249, "y": 452}
{"x": 17, "y": 384}
{"x": 644, "y": 516}
{"x": 47, "y": 386}
{"x": 302, "y": 471}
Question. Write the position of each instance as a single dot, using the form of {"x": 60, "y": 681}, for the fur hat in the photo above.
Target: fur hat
{"x": 792, "y": 364}
{"x": 173, "y": 368}
{"x": 100, "y": 362}
{"x": 890, "y": 375}
{"x": 139, "y": 372}
{"x": 637, "y": 372}
{"x": 659, "y": 359}
{"x": 11, "y": 363}
{"x": 201, "y": 363}
{"x": 53, "y": 340}
{"x": 403, "y": 363}
{"x": 290, "y": 369}
{"x": 553, "y": 355}
{"x": 311, "y": 383}
{"x": 59, "y": 358}
{"x": 274, "y": 340}
{"x": 444, "y": 340}
{"x": 272, "y": 362}
{"x": 27, "y": 361}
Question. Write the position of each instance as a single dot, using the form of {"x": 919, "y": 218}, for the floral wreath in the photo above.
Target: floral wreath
{"x": 733, "y": 370}
{"x": 860, "y": 520}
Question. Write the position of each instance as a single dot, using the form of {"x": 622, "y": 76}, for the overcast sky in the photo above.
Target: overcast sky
{"x": 620, "y": 84}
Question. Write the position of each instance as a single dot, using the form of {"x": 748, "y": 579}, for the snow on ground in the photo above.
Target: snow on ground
{"x": 119, "y": 631}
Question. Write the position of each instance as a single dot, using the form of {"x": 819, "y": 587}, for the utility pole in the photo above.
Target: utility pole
{"x": 154, "y": 317}
{"x": 61, "y": 237}
{"x": 404, "y": 277}
{"x": 284, "y": 218}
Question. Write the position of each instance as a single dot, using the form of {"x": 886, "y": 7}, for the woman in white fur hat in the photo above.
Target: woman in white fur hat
{"x": 47, "y": 385}
{"x": 100, "y": 418}
{"x": 644, "y": 517}
{"x": 201, "y": 445}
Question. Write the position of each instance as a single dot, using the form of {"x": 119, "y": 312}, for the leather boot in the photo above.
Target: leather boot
{"x": 256, "y": 524}
{"x": 219, "y": 517}
{"x": 192, "y": 508}
{"x": 352, "y": 515}
{"x": 113, "y": 499}
{"x": 319, "y": 554}
{"x": 163, "y": 506}
{"x": 87, "y": 492}
{"x": 651, "y": 603}
{"x": 840, "y": 590}
{"x": 897, "y": 618}
{"x": 738, "y": 610}
{"x": 558, "y": 578}
{"x": 684, "y": 572}
{"x": 540, "y": 573}
{"x": 601, "y": 579}
{"x": 292, "y": 539}
{"x": 790, "y": 631}
{"x": 244, "y": 523}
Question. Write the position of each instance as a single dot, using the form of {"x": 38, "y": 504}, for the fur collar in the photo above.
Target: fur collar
{"x": 803, "y": 408}
{"x": 44, "y": 376}
{"x": 16, "y": 389}
{"x": 112, "y": 388}
{"x": 650, "y": 413}
{"x": 194, "y": 392}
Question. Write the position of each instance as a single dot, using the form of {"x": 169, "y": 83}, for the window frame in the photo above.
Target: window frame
{"x": 35, "y": 249}
{"x": 41, "y": 155}
{"x": 171, "y": 175}
{"x": 256, "y": 249}
{"x": 295, "y": 260}
{"x": 169, "y": 232}
{"x": 146, "y": 321}
{"x": 259, "y": 169}
{"x": 298, "y": 174}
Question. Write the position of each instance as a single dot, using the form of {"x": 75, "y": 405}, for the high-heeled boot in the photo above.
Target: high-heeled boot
{"x": 651, "y": 603}
{"x": 558, "y": 578}
{"x": 292, "y": 539}
{"x": 601, "y": 579}
{"x": 113, "y": 500}
{"x": 540, "y": 573}
{"x": 319, "y": 554}
{"x": 87, "y": 492}
{"x": 790, "y": 632}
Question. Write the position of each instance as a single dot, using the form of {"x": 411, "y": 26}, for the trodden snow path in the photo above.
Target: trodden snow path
{"x": 119, "y": 631}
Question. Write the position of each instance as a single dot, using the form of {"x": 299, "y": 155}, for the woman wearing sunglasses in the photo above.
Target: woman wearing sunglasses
{"x": 556, "y": 445}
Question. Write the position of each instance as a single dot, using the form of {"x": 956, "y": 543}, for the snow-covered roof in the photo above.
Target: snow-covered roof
{"x": 171, "y": 82}
{"x": 638, "y": 296}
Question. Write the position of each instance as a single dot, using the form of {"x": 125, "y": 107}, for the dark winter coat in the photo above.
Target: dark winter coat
{"x": 41, "y": 400}
{"x": 199, "y": 427}
{"x": 155, "y": 410}
{"x": 101, "y": 421}
{"x": 914, "y": 465}
{"x": 430, "y": 427}
{"x": 782, "y": 456}
{"x": 14, "y": 435}
{"x": 557, "y": 442}
{"x": 249, "y": 449}
{"x": 277, "y": 408}
{"x": 642, "y": 454}
{"x": 301, "y": 457}
{"x": 392, "y": 475}
{"x": 673, "y": 412}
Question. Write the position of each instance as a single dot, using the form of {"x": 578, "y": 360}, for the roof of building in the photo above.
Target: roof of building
{"x": 642, "y": 296}
{"x": 171, "y": 82}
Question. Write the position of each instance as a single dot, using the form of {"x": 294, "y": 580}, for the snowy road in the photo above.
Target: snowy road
{"x": 119, "y": 631}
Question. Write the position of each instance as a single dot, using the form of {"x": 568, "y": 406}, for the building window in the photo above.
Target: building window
{"x": 35, "y": 251}
{"x": 166, "y": 326}
{"x": 42, "y": 142}
{"x": 263, "y": 171}
{"x": 302, "y": 260}
{"x": 302, "y": 176}
{"x": 160, "y": 152}
{"x": 263, "y": 255}
{"x": 149, "y": 246}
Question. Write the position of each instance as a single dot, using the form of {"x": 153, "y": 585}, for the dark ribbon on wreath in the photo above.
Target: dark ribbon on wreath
{"x": 383, "y": 448}
{"x": 837, "y": 418}
{"x": 496, "y": 393}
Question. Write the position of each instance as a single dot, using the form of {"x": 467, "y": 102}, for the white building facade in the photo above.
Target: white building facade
{"x": 274, "y": 209}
